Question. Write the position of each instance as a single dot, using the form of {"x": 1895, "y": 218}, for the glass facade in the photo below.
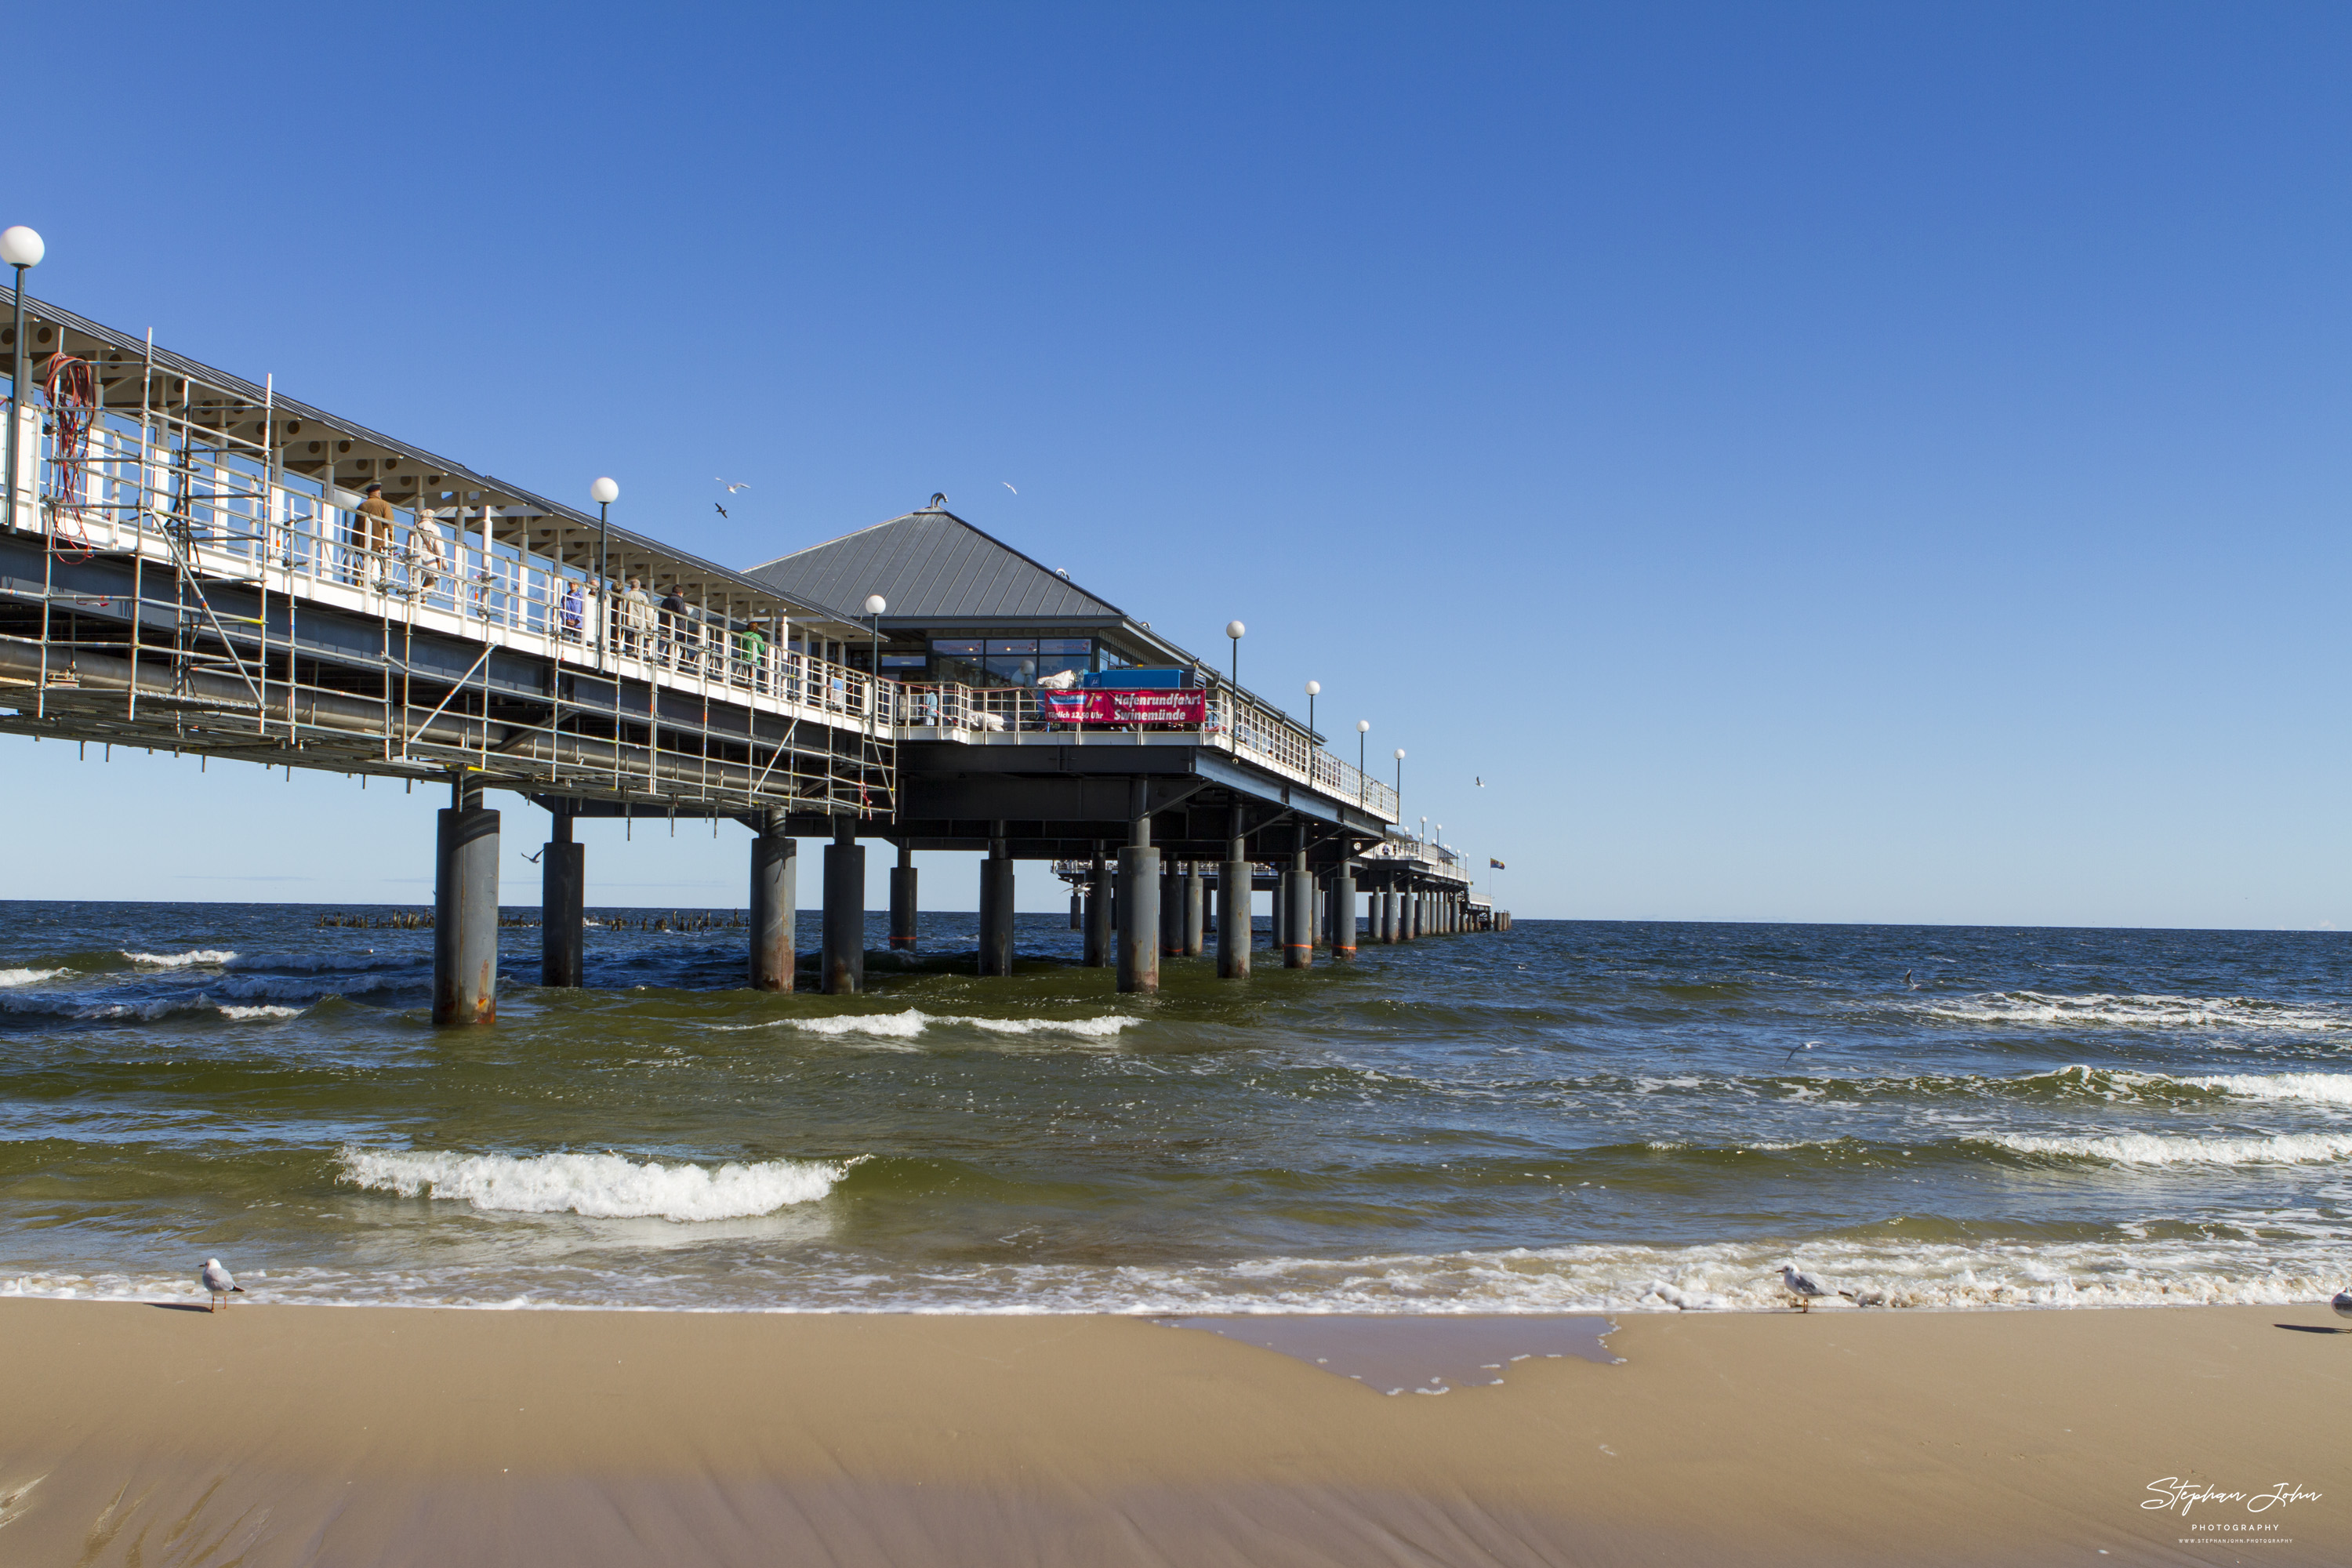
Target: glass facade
{"x": 1008, "y": 661}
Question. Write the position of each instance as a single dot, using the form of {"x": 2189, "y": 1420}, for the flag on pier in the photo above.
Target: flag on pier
{"x": 1496, "y": 865}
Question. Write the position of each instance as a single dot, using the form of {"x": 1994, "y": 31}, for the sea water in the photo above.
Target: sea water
{"x": 1567, "y": 1117}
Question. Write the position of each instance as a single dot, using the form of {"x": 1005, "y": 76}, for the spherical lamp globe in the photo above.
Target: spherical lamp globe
{"x": 604, "y": 492}
{"x": 20, "y": 247}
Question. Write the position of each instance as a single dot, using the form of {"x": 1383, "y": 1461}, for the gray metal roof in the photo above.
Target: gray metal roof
{"x": 931, "y": 566}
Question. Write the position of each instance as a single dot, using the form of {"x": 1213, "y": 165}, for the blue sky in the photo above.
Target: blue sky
{"x": 1813, "y": 462}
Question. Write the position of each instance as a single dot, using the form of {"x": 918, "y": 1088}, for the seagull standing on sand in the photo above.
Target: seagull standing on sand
{"x": 1803, "y": 1287}
{"x": 220, "y": 1283}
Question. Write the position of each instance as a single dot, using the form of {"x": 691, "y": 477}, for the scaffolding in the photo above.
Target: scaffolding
{"x": 194, "y": 566}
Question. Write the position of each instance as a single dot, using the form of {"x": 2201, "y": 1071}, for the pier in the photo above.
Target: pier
{"x": 192, "y": 561}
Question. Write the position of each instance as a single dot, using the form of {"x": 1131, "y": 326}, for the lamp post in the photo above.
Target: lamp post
{"x": 604, "y": 492}
{"x": 20, "y": 247}
{"x": 1235, "y": 630}
{"x": 1313, "y": 688}
{"x": 1400, "y": 762}
{"x": 1362, "y": 778}
{"x": 875, "y": 605}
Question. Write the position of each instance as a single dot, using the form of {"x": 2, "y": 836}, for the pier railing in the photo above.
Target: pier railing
{"x": 1248, "y": 729}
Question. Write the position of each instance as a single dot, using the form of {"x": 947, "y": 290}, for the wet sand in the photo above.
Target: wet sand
{"x": 271, "y": 1435}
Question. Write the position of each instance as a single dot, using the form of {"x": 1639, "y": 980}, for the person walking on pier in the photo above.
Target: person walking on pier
{"x": 372, "y": 535}
{"x": 673, "y": 627}
{"x": 751, "y": 651}
{"x": 637, "y": 620}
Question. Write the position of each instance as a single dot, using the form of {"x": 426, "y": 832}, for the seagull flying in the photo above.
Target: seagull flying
{"x": 1908, "y": 981}
{"x": 219, "y": 1281}
{"x": 1008, "y": 485}
{"x": 1803, "y": 1287}
{"x": 534, "y": 858}
{"x": 731, "y": 486}
{"x": 721, "y": 510}
{"x": 1808, "y": 1046}
{"x": 1479, "y": 782}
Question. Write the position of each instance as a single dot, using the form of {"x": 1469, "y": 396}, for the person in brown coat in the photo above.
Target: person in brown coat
{"x": 372, "y": 533}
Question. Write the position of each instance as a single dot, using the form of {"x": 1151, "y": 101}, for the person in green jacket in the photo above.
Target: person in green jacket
{"x": 751, "y": 651}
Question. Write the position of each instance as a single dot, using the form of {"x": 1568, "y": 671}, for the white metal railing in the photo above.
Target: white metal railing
{"x": 160, "y": 480}
{"x": 1248, "y": 729}
{"x": 159, "y": 486}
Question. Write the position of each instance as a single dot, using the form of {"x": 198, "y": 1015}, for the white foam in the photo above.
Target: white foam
{"x": 29, "y": 976}
{"x": 2158, "y": 1149}
{"x": 245, "y": 1014}
{"x": 2135, "y": 1011}
{"x": 913, "y": 1023}
{"x": 600, "y": 1187}
{"x": 206, "y": 955}
{"x": 2314, "y": 1087}
{"x": 752, "y": 1274}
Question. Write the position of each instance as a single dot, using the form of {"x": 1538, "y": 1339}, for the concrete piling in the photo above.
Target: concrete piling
{"x": 563, "y": 902}
{"x": 775, "y": 899}
{"x": 1297, "y": 895}
{"x": 1196, "y": 892}
{"x": 466, "y": 909}
{"x": 1139, "y": 903}
{"x": 1172, "y": 910}
{"x": 1099, "y": 902}
{"x": 1233, "y": 908}
{"x": 843, "y": 954}
{"x": 903, "y": 907}
{"x": 1343, "y": 912}
{"x": 996, "y": 890}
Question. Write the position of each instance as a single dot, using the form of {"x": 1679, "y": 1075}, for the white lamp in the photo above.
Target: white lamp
{"x": 20, "y": 247}
{"x": 876, "y": 604}
{"x": 604, "y": 492}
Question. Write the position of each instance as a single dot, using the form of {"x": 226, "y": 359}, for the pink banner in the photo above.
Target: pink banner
{"x": 1190, "y": 708}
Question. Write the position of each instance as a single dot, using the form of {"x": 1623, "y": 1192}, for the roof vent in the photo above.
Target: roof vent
{"x": 938, "y": 501}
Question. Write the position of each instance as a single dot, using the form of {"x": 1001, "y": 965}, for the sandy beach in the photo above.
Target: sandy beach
{"x": 268, "y": 1434}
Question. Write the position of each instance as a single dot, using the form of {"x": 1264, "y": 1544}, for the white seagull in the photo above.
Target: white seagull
{"x": 1008, "y": 485}
{"x": 1803, "y": 1287}
{"x": 220, "y": 1283}
{"x": 732, "y": 485}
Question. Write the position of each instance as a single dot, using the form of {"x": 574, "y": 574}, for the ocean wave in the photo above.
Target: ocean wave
{"x": 9, "y": 977}
{"x": 914, "y": 1023}
{"x": 2134, "y": 1011}
{"x": 2163, "y": 1149}
{"x": 214, "y": 956}
{"x": 264, "y": 1010}
{"x": 599, "y": 1187}
{"x": 749, "y": 1275}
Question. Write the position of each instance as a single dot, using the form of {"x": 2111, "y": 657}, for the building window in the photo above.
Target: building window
{"x": 1012, "y": 661}
{"x": 1061, "y": 656}
{"x": 957, "y": 659}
